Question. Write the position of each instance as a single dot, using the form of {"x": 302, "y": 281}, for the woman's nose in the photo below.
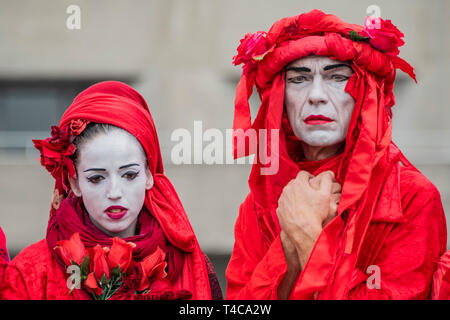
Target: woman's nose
{"x": 318, "y": 94}
{"x": 114, "y": 191}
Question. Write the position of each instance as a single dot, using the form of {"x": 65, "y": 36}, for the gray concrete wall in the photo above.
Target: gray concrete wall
{"x": 178, "y": 55}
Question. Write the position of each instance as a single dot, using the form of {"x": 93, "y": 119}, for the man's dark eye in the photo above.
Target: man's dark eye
{"x": 298, "y": 79}
{"x": 339, "y": 77}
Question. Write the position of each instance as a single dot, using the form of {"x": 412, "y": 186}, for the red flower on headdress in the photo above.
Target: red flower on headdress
{"x": 383, "y": 35}
{"x": 252, "y": 49}
{"x": 77, "y": 126}
{"x": 57, "y": 150}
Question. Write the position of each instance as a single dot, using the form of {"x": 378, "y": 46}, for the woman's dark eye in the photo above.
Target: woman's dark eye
{"x": 130, "y": 175}
{"x": 95, "y": 179}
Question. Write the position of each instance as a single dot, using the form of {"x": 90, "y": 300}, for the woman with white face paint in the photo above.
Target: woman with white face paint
{"x": 346, "y": 216}
{"x": 117, "y": 229}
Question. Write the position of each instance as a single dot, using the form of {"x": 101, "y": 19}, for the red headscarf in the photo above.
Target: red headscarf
{"x": 116, "y": 103}
{"x": 369, "y": 156}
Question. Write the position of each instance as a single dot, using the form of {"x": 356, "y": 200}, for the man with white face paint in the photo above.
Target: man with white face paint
{"x": 318, "y": 108}
{"x": 346, "y": 216}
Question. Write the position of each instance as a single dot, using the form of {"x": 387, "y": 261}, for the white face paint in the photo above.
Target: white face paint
{"x": 112, "y": 178}
{"x": 318, "y": 108}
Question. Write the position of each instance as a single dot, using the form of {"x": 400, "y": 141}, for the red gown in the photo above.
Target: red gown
{"x": 405, "y": 248}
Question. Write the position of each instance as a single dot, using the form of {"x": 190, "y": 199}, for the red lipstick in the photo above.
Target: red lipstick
{"x": 317, "y": 119}
{"x": 116, "y": 212}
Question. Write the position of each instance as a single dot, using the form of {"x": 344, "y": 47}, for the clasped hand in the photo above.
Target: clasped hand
{"x": 305, "y": 206}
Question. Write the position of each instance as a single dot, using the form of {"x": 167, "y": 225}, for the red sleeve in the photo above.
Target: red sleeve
{"x": 408, "y": 258}
{"x": 255, "y": 270}
{"x": 13, "y": 286}
{"x": 24, "y": 277}
{"x": 4, "y": 256}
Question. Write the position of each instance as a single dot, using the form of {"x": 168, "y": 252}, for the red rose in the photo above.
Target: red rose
{"x": 91, "y": 283}
{"x": 151, "y": 269}
{"x": 56, "y": 154}
{"x": 77, "y": 126}
{"x": 71, "y": 250}
{"x": 120, "y": 254}
{"x": 383, "y": 35}
{"x": 252, "y": 48}
{"x": 98, "y": 262}
{"x": 50, "y": 158}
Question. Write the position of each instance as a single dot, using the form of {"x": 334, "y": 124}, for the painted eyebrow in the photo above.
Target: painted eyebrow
{"x": 338, "y": 65}
{"x": 129, "y": 165}
{"x": 298, "y": 69}
{"x": 122, "y": 167}
{"x": 94, "y": 169}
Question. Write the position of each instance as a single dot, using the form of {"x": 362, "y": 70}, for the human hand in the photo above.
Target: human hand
{"x": 336, "y": 189}
{"x": 302, "y": 211}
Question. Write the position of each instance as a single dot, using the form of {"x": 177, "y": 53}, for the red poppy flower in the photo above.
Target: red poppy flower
{"x": 71, "y": 250}
{"x": 120, "y": 254}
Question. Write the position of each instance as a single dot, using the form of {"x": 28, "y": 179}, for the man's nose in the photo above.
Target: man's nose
{"x": 318, "y": 95}
{"x": 114, "y": 191}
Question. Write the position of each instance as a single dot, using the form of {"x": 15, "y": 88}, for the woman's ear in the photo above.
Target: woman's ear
{"x": 149, "y": 182}
{"x": 75, "y": 186}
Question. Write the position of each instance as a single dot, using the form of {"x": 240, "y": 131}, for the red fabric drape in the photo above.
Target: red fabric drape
{"x": 4, "y": 255}
{"x": 368, "y": 168}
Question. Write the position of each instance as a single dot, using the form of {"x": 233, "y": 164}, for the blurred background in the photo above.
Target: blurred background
{"x": 177, "y": 54}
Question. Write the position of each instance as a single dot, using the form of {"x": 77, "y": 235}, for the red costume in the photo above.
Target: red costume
{"x": 389, "y": 215}
{"x": 4, "y": 256}
{"x": 39, "y": 271}
{"x": 441, "y": 279}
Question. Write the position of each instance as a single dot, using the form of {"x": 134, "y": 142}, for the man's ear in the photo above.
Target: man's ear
{"x": 149, "y": 182}
{"x": 75, "y": 186}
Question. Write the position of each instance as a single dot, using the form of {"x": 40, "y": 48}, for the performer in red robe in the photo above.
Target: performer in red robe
{"x": 154, "y": 253}
{"x": 376, "y": 225}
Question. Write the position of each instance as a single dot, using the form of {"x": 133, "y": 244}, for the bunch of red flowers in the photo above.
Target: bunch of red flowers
{"x": 103, "y": 270}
